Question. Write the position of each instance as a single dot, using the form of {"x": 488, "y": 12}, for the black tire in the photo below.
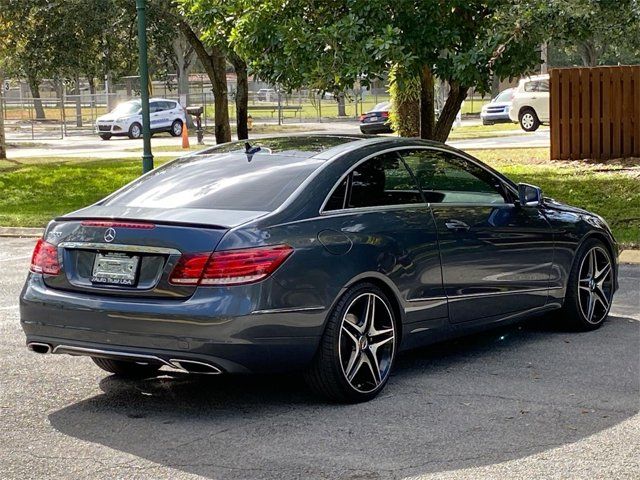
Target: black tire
{"x": 174, "y": 128}
{"x": 135, "y": 130}
{"x": 572, "y": 313}
{"x": 126, "y": 369}
{"x": 327, "y": 376}
{"x": 528, "y": 119}
{"x": 105, "y": 136}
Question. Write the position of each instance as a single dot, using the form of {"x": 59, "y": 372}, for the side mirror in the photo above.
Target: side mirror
{"x": 529, "y": 195}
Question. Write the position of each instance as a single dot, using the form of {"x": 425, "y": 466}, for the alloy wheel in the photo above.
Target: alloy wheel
{"x": 177, "y": 128}
{"x": 367, "y": 342}
{"x": 135, "y": 131}
{"x": 595, "y": 285}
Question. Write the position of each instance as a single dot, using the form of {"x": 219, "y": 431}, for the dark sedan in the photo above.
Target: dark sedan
{"x": 377, "y": 119}
{"x": 325, "y": 254}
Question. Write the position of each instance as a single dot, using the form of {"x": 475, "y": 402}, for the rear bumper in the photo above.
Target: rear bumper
{"x": 375, "y": 127}
{"x": 249, "y": 341}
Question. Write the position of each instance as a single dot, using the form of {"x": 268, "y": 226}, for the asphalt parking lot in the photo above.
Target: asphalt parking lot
{"x": 526, "y": 401}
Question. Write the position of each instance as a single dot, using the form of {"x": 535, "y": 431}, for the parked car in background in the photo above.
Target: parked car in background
{"x": 497, "y": 111}
{"x": 377, "y": 119}
{"x": 266, "y": 95}
{"x": 530, "y": 103}
{"x": 126, "y": 119}
{"x": 322, "y": 254}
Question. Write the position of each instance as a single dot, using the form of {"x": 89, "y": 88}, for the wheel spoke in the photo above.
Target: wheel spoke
{"x": 591, "y": 307}
{"x": 346, "y": 330}
{"x": 370, "y": 313}
{"x": 351, "y": 364}
{"x": 355, "y": 365}
{"x": 601, "y": 297}
{"x": 376, "y": 345}
{"x": 602, "y": 275}
{"x": 592, "y": 263}
{"x": 372, "y": 362}
{"x": 351, "y": 323}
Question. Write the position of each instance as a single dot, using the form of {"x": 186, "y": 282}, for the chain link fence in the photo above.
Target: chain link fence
{"x": 58, "y": 114}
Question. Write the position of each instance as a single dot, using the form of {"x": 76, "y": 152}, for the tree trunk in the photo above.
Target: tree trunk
{"x": 76, "y": 92}
{"x": 58, "y": 87}
{"x": 588, "y": 53}
{"x": 92, "y": 90}
{"x": 457, "y": 94}
{"x": 214, "y": 64}
{"x": 35, "y": 94}
{"x": 242, "y": 96}
{"x": 427, "y": 116}
{"x": 341, "y": 105}
{"x": 3, "y": 138}
{"x": 495, "y": 85}
{"x": 183, "y": 52}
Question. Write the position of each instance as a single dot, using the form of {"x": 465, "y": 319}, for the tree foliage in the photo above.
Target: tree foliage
{"x": 331, "y": 44}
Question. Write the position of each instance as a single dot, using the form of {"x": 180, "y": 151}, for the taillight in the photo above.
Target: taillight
{"x": 45, "y": 258}
{"x": 384, "y": 114}
{"x": 362, "y": 117}
{"x": 230, "y": 267}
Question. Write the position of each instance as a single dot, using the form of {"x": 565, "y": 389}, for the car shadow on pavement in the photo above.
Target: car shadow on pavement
{"x": 483, "y": 399}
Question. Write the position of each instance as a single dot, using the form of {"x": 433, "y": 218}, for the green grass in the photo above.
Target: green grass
{"x": 33, "y": 194}
{"x": 36, "y": 189}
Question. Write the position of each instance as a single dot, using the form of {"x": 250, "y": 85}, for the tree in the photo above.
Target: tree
{"x": 331, "y": 44}
{"x": 216, "y": 19}
{"x": 583, "y": 28}
{"x": 213, "y": 60}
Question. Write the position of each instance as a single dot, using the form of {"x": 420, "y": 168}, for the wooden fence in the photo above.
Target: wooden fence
{"x": 595, "y": 112}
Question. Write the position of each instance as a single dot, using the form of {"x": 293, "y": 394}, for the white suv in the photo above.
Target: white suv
{"x": 126, "y": 119}
{"x": 530, "y": 103}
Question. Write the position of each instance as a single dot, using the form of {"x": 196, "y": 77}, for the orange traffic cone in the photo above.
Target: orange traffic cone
{"x": 185, "y": 136}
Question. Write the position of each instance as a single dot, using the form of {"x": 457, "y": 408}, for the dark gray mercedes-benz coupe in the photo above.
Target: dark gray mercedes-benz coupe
{"x": 323, "y": 254}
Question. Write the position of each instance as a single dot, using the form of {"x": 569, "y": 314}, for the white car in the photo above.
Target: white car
{"x": 530, "y": 103}
{"x": 497, "y": 110}
{"x": 126, "y": 119}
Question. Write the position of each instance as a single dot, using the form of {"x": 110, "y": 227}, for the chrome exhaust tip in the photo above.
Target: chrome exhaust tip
{"x": 37, "y": 347}
{"x": 193, "y": 366}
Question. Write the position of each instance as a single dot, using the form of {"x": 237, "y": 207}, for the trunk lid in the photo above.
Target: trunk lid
{"x": 123, "y": 251}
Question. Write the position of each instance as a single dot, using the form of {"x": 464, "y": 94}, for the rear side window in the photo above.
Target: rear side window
{"x": 447, "y": 178}
{"x": 232, "y": 181}
{"x": 382, "y": 180}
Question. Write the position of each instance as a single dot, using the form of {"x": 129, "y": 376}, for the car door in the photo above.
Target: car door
{"x": 379, "y": 207}
{"x": 496, "y": 256}
{"x": 538, "y": 98}
{"x": 157, "y": 115}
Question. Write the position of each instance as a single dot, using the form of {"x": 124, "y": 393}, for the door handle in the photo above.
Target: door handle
{"x": 456, "y": 225}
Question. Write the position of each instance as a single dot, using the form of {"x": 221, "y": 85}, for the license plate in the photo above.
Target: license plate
{"x": 115, "y": 269}
{"x": 371, "y": 119}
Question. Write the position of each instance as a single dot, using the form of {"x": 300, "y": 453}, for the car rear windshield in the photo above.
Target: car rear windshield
{"x": 229, "y": 181}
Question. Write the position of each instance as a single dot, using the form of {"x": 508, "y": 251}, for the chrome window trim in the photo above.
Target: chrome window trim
{"x": 118, "y": 247}
{"x": 464, "y": 156}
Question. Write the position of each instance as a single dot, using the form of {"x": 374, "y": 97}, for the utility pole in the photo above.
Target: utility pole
{"x": 3, "y": 138}
{"x": 147, "y": 157}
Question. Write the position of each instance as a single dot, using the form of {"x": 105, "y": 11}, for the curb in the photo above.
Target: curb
{"x": 21, "y": 232}
{"x": 629, "y": 256}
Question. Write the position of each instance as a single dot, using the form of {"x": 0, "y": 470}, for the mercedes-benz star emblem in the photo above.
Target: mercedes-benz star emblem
{"x": 109, "y": 235}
